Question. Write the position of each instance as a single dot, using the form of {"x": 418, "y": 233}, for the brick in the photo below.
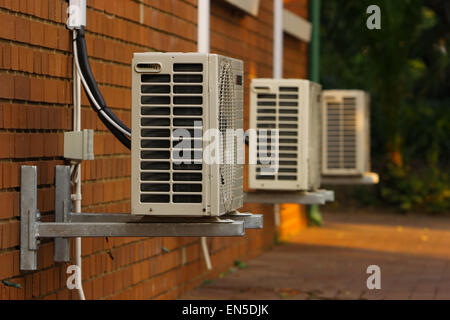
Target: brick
{"x": 21, "y": 145}
{"x": 36, "y": 145}
{"x": 7, "y": 26}
{"x": 21, "y": 87}
{"x": 7, "y": 266}
{"x": 14, "y": 58}
{"x": 36, "y": 33}
{"x": 22, "y": 30}
{"x": 6, "y": 86}
{"x": 51, "y": 90}
{"x": 5, "y": 145}
{"x": 36, "y": 89}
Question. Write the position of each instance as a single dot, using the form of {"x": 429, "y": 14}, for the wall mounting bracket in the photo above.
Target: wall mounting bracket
{"x": 368, "y": 178}
{"x": 70, "y": 225}
{"x": 319, "y": 197}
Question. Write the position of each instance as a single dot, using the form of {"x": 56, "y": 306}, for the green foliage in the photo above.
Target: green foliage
{"x": 406, "y": 68}
{"x": 408, "y": 189}
{"x": 240, "y": 264}
{"x": 315, "y": 218}
{"x": 207, "y": 282}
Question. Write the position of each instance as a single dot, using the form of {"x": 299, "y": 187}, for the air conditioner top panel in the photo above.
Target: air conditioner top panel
{"x": 347, "y": 92}
{"x": 266, "y": 82}
{"x": 178, "y": 54}
{"x": 280, "y": 80}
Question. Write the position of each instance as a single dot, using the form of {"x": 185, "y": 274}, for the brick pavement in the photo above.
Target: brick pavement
{"x": 412, "y": 251}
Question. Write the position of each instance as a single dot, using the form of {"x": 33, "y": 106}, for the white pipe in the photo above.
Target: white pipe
{"x": 278, "y": 39}
{"x": 203, "y": 37}
{"x": 203, "y": 28}
{"x": 277, "y": 66}
{"x": 77, "y": 168}
{"x": 206, "y": 253}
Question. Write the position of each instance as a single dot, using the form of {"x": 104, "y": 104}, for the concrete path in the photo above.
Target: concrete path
{"x": 413, "y": 253}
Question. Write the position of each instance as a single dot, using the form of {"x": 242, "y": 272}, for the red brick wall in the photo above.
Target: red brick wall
{"x": 35, "y": 110}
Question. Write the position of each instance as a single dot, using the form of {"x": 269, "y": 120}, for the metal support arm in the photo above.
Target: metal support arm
{"x": 368, "y": 178}
{"x": 223, "y": 228}
{"x": 70, "y": 225}
{"x": 276, "y": 197}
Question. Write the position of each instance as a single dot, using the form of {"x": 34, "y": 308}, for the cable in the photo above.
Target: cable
{"x": 87, "y": 73}
{"x": 95, "y": 103}
{"x": 109, "y": 119}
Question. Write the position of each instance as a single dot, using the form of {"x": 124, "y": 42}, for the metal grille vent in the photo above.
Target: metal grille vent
{"x": 170, "y": 102}
{"x": 279, "y": 111}
{"x": 227, "y": 124}
{"x": 341, "y": 134}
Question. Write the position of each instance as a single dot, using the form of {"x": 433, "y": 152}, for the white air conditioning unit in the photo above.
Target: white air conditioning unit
{"x": 293, "y": 108}
{"x": 346, "y": 132}
{"x": 177, "y": 98}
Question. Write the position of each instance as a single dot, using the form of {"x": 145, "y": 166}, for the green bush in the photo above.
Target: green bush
{"x": 405, "y": 66}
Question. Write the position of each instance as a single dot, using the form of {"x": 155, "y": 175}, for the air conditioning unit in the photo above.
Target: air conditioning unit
{"x": 177, "y": 99}
{"x": 346, "y": 132}
{"x": 291, "y": 107}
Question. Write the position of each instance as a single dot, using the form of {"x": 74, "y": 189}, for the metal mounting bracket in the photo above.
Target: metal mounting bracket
{"x": 327, "y": 194}
{"x": 319, "y": 197}
{"x": 368, "y": 178}
{"x": 70, "y": 225}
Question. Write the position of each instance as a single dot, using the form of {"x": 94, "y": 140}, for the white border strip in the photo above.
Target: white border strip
{"x": 249, "y": 6}
{"x": 297, "y": 26}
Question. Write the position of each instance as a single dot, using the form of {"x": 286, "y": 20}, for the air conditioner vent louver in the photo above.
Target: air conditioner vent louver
{"x": 171, "y": 112}
{"x": 286, "y": 106}
{"x": 154, "y": 97}
{"x": 346, "y": 130}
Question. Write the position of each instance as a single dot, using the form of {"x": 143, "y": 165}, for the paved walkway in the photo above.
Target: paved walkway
{"x": 412, "y": 251}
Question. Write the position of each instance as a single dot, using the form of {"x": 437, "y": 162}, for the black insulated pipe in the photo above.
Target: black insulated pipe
{"x": 93, "y": 87}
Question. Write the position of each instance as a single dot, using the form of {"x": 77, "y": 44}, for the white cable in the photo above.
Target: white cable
{"x": 88, "y": 91}
{"x": 206, "y": 253}
{"x": 77, "y": 168}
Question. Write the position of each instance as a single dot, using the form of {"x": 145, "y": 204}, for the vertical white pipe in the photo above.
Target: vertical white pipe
{"x": 203, "y": 46}
{"x": 206, "y": 253}
{"x": 277, "y": 66}
{"x": 77, "y": 169}
{"x": 278, "y": 39}
{"x": 203, "y": 22}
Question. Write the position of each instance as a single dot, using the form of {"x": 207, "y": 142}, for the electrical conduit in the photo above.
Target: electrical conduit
{"x": 203, "y": 36}
{"x": 278, "y": 35}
